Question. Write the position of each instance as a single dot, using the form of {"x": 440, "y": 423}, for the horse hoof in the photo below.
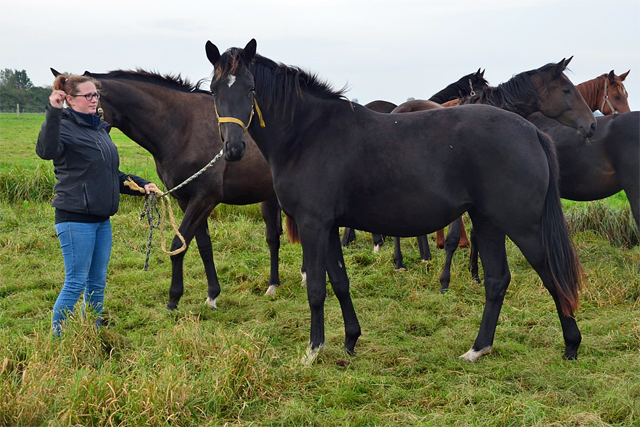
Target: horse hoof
{"x": 271, "y": 290}
{"x": 212, "y": 303}
{"x": 401, "y": 269}
{"x": 473, "y": 356}
{"x": 311, "y": 354}
{"x": 444, "y": 290}
{"x": 376, "y": 249}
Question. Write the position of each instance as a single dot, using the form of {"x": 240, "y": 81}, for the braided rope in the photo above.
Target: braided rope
{"x": 150, "y": 210}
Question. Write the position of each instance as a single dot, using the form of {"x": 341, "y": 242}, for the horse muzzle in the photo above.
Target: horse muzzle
{"x": 234, "y": 151}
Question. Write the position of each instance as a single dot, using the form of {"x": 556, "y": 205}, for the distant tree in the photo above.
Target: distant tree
{"x": 411, "y": 98}
{"x": 16, "y": 88}
{"x": 355, "y": 100}
{"x": 15, "y": 79}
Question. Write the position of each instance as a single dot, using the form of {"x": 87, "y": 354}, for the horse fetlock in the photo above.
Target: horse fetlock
{"x": 311, "y": 354}
{"x": 271, "y": 290}
{"x": 473, "y": 355}
{"x": 211, "y": 302}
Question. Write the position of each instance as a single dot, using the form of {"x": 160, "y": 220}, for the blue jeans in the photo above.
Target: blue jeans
{"x": 86, "y": 249}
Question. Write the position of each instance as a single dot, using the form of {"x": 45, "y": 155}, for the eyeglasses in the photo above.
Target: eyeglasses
{"x": 89, "y": 96}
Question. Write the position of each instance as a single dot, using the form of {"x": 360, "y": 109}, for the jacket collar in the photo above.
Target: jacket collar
{"x": 84, "y": 119}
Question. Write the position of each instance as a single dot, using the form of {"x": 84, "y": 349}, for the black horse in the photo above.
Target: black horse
{"x": 172, "y": 119}
{"x": 311, "y": 136}
{"x": 539, "y": 90}
{"x": 465, "y": 86}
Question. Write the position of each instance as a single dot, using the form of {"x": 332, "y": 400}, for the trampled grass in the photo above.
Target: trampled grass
{"x": 240, "y": 365}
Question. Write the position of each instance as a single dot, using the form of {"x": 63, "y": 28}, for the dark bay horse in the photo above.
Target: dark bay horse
{"x": 172, "y": 119}
{"x": 485, "y": 161}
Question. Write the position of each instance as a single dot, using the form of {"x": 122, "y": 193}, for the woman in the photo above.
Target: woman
{"x": 88, "y": 187}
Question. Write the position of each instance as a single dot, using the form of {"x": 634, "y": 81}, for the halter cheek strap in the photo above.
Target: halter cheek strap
{"x": 238, "y": 121}
{"x": 605, "y": 99}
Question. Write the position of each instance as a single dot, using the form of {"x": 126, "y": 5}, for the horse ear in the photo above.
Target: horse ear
{"x": 561, "y": 66}
{"x": 55, "y": 72}
{"x": 213, "y": 54}
{"x": 624, "y": 76}
{"x": 250, "y": 50}
{"x": 86, "y": 73}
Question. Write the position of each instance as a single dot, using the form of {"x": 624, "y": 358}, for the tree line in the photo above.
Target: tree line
{"x": 17, "y": 89}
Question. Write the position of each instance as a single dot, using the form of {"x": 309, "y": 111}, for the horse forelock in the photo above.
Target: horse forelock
{"x": 171, "y": 81}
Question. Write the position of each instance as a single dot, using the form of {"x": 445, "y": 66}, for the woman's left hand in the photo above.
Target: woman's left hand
{"x": 150, "y": 186}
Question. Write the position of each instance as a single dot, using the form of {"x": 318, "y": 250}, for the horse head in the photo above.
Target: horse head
{"x": 615, "y": 97}
{"x": 233, "y": 88}
{"x": 559, "y": 99}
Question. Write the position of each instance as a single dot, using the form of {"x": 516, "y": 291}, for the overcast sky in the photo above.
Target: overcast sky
{"x": 390, "y": 50}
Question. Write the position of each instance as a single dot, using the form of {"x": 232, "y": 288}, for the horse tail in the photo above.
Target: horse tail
{"x": 560, "y": 254}
{"x": 292, "y": 230}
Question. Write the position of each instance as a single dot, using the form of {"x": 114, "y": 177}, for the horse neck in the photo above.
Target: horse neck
{"x": 146, "y": 127}
{"x": 592, "y": 91}
{"x": 498, "y": 97}
{"x": 448, "y": 93}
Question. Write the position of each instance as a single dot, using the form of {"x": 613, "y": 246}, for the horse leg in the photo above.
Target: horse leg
{"x": 440, "y": 239}
{"x": 378, "y": 240}
{"x": 397, "y": 255}
{"x": 348, "y": 236}
{"x": 423, "y": 245}
{"x": 473, "y": 256}
{"x": 450, "y": 246}
{"x": 203, "y": 239}
{"x": 533, "y": 251}
{"x": 340, "y": 283}
{"x": 270, "y": 210}
{"x": 493, "y": 252}
{"x": 195, "y": 215}
{"x": 315, "y": 240}
{"x": 464, "y": 241}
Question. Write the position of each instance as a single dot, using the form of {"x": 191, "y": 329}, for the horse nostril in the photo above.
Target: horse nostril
{"x": 593, "y": 127}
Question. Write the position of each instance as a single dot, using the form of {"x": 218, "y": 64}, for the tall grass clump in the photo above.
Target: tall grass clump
{"x": 19, "y": 184}
{"x": 616, "y": 224}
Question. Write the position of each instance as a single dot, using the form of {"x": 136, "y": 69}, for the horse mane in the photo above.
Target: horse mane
{"x": 514, "y": 95}
{"x": 170, "y": 81}
{"x": 459, "y": 88}
{"x": 278, "y": 84}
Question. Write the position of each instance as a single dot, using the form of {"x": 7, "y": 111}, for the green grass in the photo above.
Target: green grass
{"x": 240, "y": 365}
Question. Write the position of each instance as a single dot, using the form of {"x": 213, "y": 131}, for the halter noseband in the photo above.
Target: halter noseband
{"x": 238, "y": 121}
{"x": 605, "y": 99}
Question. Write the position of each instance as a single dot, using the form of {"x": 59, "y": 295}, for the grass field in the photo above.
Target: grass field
{"x": 240, "y": 365}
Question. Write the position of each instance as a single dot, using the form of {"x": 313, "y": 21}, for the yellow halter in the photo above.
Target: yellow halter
{"x": 238, "y": 121}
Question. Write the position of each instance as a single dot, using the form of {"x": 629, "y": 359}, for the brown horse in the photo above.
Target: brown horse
{"x": 606, "y": 93}
{"x": 181, "y": 133}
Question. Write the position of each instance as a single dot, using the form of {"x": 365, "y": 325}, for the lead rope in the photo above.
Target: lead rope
{"x": 150, "y": 211}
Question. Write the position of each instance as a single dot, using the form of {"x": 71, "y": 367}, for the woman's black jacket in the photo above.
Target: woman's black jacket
{"x": 85, "y": 161}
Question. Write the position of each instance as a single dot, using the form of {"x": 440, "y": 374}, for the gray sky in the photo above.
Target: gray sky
{"x": 391, "y": 50}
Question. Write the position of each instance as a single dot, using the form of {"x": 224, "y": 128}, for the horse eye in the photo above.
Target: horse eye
{"x": 567, "y": 91}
